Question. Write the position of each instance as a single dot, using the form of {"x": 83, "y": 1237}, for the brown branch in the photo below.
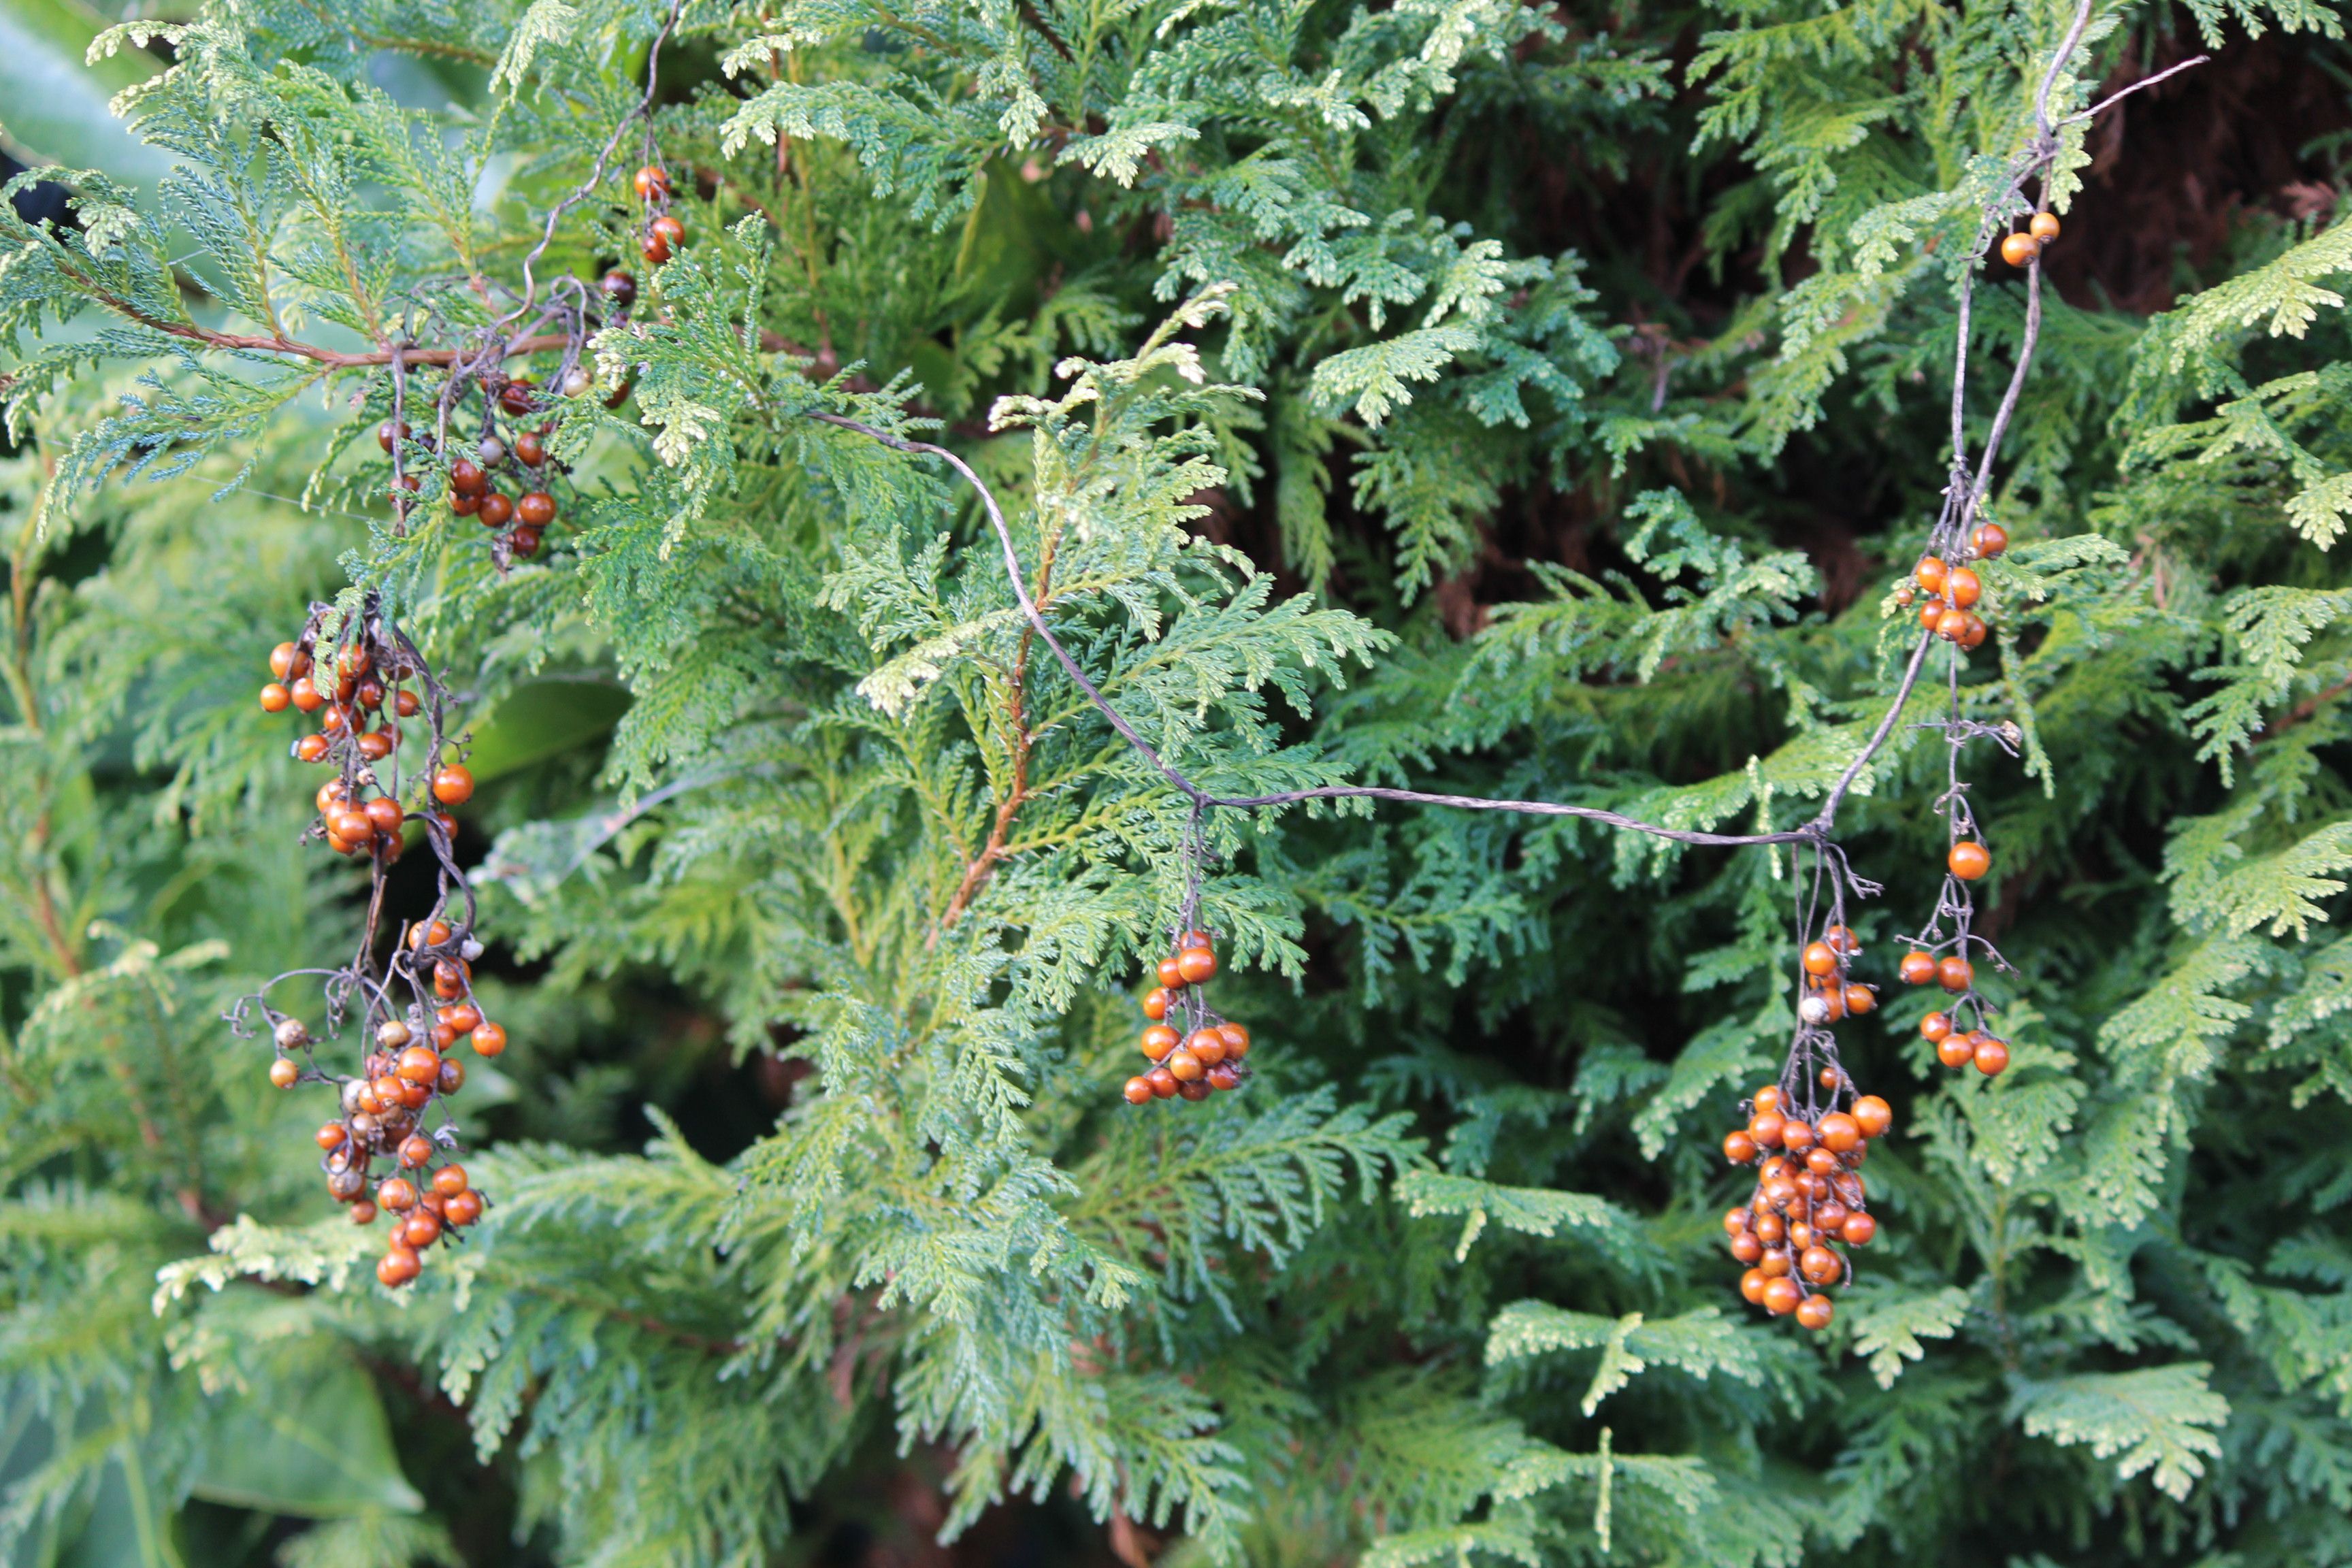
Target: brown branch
{"x": 2303, "y": 710}
{"x": 1016, "y": 716}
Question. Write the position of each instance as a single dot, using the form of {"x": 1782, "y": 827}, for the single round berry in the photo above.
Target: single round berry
{"x": 1237, "y": 1039}
{"x": 1839, "y": 1131}
{"x": 1746, "y": 1248}
{"x": 1860, "y": 999}
{"x": 578, "y": 382}
{"x": 652, "y": 183}
{"x": 1197, "y": 1089}
{"x": 398, "y": 1267}
{"x": 1858, "y": 1229}
{"x": 1957, "y": 1050}
{"x": 416, "y": 1151}
{"x": 620, "y": 288}
{"x": 2043, "y": 227}
{"x": 361, "y": 1213}
{"x": 1196, "y": 965}
{"x": 2019, "y": 249}
{"x": 1796, "y": 1135}
{"x": 1752, "y": 1286}
{"x": 1992, "y": 1056}
{"x": 462, "y": 1209}
{"x": 1931, "y": 615}
{"x": 516, "y": 397}
{"x": 1137, "y": 1091}
{"x": 1955, "y": 972}
{"x": 1819, "y": 1265}
{"x": 305, "y": 695}
{"x": 1820, "y": 960}
{"x": 396, "y": 1194}
{"x": 1918, "y": 968}
{"x": 1964, "y": 588}
{"x": 465, "y": 506}
{"x": 523, "y": 542}
{"x": 428, "y": 934}
{"x": 330, "y": 1136}
{"x": 1159, "y": 1040}
{"x": 419, "y": 1064}
{"x": 462, "y": 1017}
{"x": 1973, "y": 635}
{"x": 1951, "y": 626}
{"x": 284, "y": 1072}
{"x": 421, "y": 1229}
{"x": 1816, "y": 1311}
{"x": 1184, "y": 1064}
{"x": 1936, "y": 1026}
{"x": 1156, "y": 1002}
{"x": 1989, "y": 538}
{"x": 1820, "y": 1162}
{"x": 282, "y": 661}
{"x": 391, "y": 433}
{"x": 1873, "y": 1116}
{"x": 1224, "y": 1075}
{"x": 1736, "y": 1219}
{"x": 1930, "y": 574}
{"x": 488, "y": 1039}
{"x": 1765, "y": 1128}
{"x": 1766, "y": 1099}
{"x": 1170, "y": 977}
{"x": 1163, "y": 1082}
{"x": 496, "y": 511}
{"x": 1208, "y": 1044}
{"x": 1771, "y": 1229}
{"x": 405, "y": 704}
{"x": 1738, "y": 1148}
{"x": 1782, "y": 1296}
{"x": 653, "y": 245}
{"x": 453, "y": 785}
{"x": 1777, "y": 1263}
{"x": 530, "y": 452}
{"x": 276, "y": 699}
{"x": 1968, "y": 860}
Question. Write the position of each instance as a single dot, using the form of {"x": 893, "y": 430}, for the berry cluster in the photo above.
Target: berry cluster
{"x": 414, "y": 1008}
{"x": 1958, "y": 1031}
{"x": 1809, "y": 1193}
{"x": 519, "y": 456}
{"x": 2024, "y": 248}
{"x": 360, "y": 693}
{"x": 1952, "y": 591}
{"x": 1194, "y": 1051}
{"x": 662, "y": 232}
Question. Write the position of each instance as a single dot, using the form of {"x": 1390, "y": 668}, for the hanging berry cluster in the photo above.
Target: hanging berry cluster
{"x": 410, "y": 1010}
{"x": 661, "y": 232}
{"x": 1951, "y": 591}
{"x": 503, "y": 477}
{"x": 1808, "y": 1134}
{"x": 1194, "y": 1051}
{"x": 2023, "y": 248}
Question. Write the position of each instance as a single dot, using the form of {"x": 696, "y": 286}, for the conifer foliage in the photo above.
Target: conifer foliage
{"x": 840, "y": 547}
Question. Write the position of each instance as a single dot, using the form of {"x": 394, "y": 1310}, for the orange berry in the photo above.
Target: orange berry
{"x": 1992, "y": 1056}
{"x": 283, "y": 1072}
{"x": 1955, "y": 973}
{"x": 1951, "y": 626}
{"x": 1170, "y": 977}
{"x": 1964, "y": 588}
{"x": 488, "y": 1038}
{"x": 1159, "y": 1040}
{"x": 1916, "y": 968}
{"x": 1839, "y": 1131}
{"x": 1936, "y": 1026}
{"x": 1208, "y": 1044}
{"x": 1765, "y": 1128}
{"x": 1968, "y": 860}
{"x": 1766, "y": 1099}
{"x": 1816, "y": 1311}
{"x": 330, "y": 1136}
{"x": 1196, "y": 965}
{"x": 1163, "y": 1082}
{"x": 398, "y": 1267}
{"x": 1872, "y": 1117}
{"x": 1185, "y": 1065}
{"x": 1860, "y": 999}
{"x": 1156, "y": 1003}
{"x": 1819, "y": 1265}
{"x": 462, "y": 1210}
{"x": 1989, "y": 538}
{"x": 2043, "y": 227}
{"x": 449, "y": 1181}
{"x": 2020, "y": 251}
{"x": 1782, "y": 1296}
{"x": 1819, "y": 960}
{"x": 453, "y": 785}
{"x": 1930, "y": 574}
{"x": 1795, "y": 1136}
{"x": 1957, "y": 1050}
{"x": 1224, "y": 1075}
{"x": 1738, "y": 1148}
{"x": 1237, "y": 1039}
{"x": 1752, "y": 1286}
{"x": 1137, "y": 1091}
{"x": 416, "y": 1151}
{"x": 1858, "y": 1229}
{"x": 395, "y": 1194}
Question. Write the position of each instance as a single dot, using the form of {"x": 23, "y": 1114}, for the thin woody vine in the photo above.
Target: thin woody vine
{"x": 459, "y": 431}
